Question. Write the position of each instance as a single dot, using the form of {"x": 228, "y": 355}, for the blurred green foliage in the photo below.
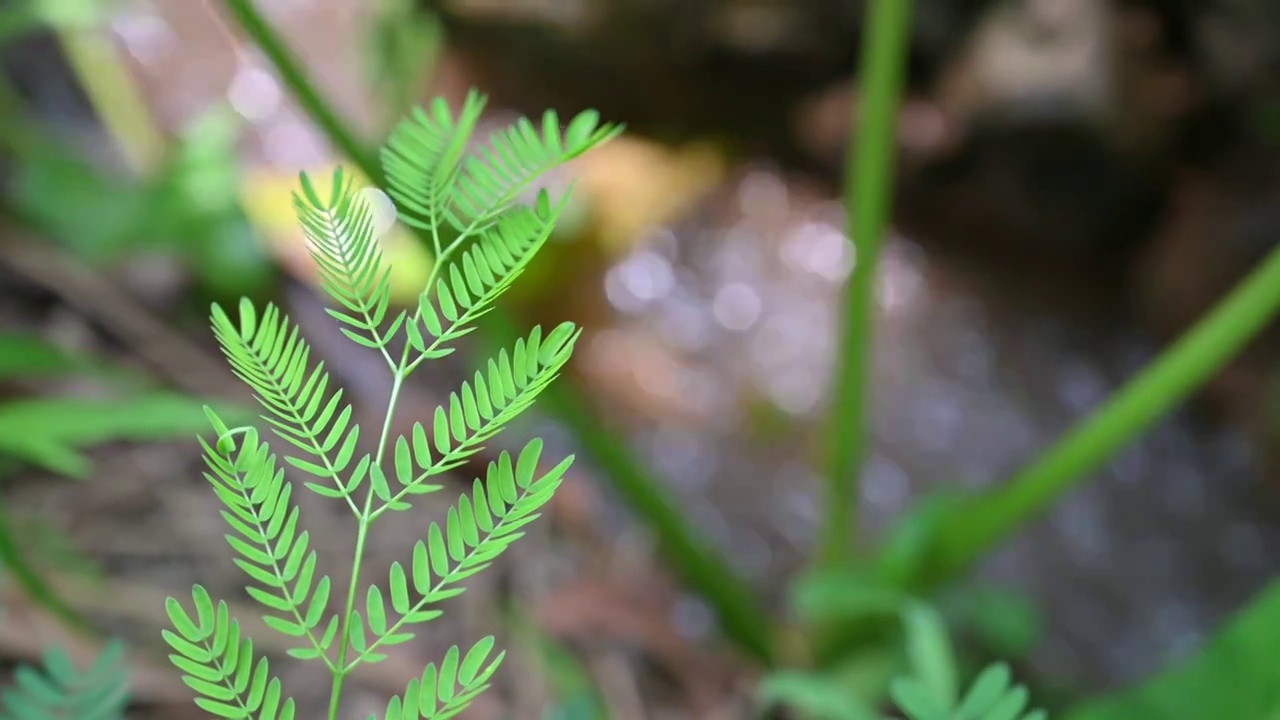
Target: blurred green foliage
{"x": 50, "y": 433}
{"x": 57, "y": 690}
{"x": 1234, "y": 675}
{"x": 189, "y": 209}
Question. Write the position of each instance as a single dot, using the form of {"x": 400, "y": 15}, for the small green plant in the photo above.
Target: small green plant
{"x": 992, "y": 696}
{"x": 57, "y": 690}
{"x": 49, "y": 433}
{"x": 483, "y": 239}
{"x": 929, "y": 690}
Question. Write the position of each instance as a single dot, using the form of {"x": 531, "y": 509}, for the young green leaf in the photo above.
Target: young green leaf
{"x": 468, "y": 205}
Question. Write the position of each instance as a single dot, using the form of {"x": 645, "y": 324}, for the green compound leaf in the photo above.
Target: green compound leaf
{"x": 340, "y": 238}
{"x": 57, "y": 689}
{"x": 269, "y": 355}
{"x": 443, "y": 693}
{"x": 513, "y": 382}
{"x": 495, "y": 176}
{"x": 482, "y": 273}
{"x": 484, "y": 239}
{"x": 272, "y": 550}
{"x": 477, "y": 531}
{"x": 219, "y": 664}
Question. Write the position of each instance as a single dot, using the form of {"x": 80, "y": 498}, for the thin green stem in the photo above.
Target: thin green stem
{"x": 691, "y": 555}
{"x": 115, "y": 97}
{"x": 698, "y": 563}
{"x": 396, "y": 385}
{"x": 14, "y": 563}
{"x": 340, "y": 673}
{"x": 251, "y": 21}
{"x": 365, "y": 519}
{"x": 362, "y": 533}
{"x": 869, "y": 177}
{"x": 1170, "y": 379}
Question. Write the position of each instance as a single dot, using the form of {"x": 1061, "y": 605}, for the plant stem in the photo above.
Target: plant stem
{"x": 28, "y": 578}
{"x": 869, "y": 169}
{"x": 1178, "y": 371}
{"x": 115, "y": 98}
{"x": 291, "y": 73}
{"x": 693, "y": 558}
{"x": 340, "y": 671}
{"x": 362, "y": 533}
{"x": 699, "y": 565}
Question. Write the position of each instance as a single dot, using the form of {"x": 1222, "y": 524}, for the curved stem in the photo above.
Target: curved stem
{"x": 1173, "y": 376}
{"x": 338, "y": 132}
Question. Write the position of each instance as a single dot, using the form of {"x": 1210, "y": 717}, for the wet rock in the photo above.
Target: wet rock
{"x": 674, "y": 70}
{"x": 1063, "y": 116}
{"x": 1217, "y": 230}
{"x": 1238, "y": 42}
{"x": 1033, "y": 195}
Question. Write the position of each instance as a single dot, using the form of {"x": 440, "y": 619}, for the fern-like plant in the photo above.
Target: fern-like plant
{"x": 483, "y": 237}
{"x": 58, "y": 690}
{"x": 992, "y": 696}
{"x": 929, "y": 690}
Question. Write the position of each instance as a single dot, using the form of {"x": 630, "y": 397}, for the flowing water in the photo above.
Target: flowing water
{"x": 966, "y": 385}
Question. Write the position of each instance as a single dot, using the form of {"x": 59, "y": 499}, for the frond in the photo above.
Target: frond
{"x": 477, "y": 530}
{"x": 443, "y": 693}
{"x": 423, "y": 158}
{"x": 993, "y": 696}
{"x": 477, "y": 412}
{"x": 435, "y": 183}
{"x": 496, "y": 175}
{"x": 269, "y": 355}
{"x": 930, "y": 692}
{"x": 479, "y": 276}
{"x": 340, "y": 239}
{"x": 218, "y": 663}
{"x": 49, "y": 432}
{"x": 272, "y": 552}
{"x": 483, "y": 240}
{"x": 57, "y": 690}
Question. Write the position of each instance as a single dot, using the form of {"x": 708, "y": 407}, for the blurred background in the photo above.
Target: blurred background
{"x": 1078, "y": 181}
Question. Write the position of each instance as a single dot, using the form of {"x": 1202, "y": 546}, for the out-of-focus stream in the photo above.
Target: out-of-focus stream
{"x": 967, "y": 385}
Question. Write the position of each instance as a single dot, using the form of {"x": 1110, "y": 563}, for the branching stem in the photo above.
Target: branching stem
{"x": 365, "y": 520}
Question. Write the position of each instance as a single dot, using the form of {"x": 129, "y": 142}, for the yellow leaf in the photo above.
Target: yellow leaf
{"x": 632, "y": 185}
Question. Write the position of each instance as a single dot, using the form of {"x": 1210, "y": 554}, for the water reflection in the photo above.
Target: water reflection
{"x": 254, "y": 93}
{"x": 966, "y": 386}
{"x": 145, "y": 35}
